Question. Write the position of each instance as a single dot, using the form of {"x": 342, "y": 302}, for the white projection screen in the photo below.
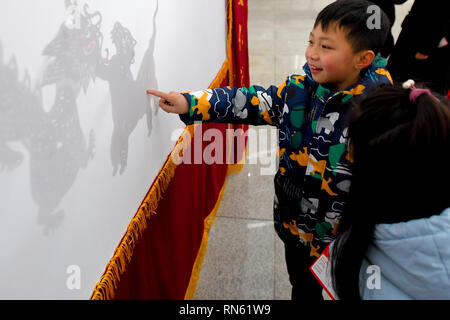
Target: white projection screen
{"x": 80, "y": 141}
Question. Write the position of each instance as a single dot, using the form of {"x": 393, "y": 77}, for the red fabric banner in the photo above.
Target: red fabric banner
{"x": 164, "y": 257}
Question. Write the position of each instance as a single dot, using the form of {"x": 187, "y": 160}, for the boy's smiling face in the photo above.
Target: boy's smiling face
{"x": 331, "y": 59}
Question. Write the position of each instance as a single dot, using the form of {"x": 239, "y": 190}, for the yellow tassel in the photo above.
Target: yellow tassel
{"x": 105, "y": 288}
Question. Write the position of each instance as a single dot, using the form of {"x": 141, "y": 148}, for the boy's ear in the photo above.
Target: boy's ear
{"x": 364, "y": 59}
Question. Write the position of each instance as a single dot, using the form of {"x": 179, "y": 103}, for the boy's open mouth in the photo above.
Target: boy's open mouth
{"x": 314, "y": 69}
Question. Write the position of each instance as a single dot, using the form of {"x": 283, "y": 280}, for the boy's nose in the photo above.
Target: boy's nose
{"x": 311, "y": 54}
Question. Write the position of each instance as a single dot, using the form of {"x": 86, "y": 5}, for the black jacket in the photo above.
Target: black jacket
{"x": 427, "y": 23}
{"x": 388, "y": 6}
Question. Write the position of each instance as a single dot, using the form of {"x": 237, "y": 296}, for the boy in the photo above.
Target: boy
{"x": 311, "y": 113}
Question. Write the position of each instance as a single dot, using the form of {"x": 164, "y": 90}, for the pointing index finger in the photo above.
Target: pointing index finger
{"x": 158, "y": 94}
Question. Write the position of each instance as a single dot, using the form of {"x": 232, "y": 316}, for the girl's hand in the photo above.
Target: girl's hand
{"x": 172, "y": 102}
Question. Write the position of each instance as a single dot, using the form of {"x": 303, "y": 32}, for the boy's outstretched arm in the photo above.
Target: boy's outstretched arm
{"x": 254, "y": 105}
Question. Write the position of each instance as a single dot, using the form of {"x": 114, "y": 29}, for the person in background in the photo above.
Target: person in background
{"x": 422, "y": 50}
{"x": 397, "y": 217}
{"x": 388, "y": 6}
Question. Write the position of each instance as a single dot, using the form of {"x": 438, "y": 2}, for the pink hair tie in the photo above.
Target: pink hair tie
{"x": 416, "y": 92}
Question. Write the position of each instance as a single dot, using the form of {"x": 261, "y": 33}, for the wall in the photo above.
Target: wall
{"x": 80, "y": 141}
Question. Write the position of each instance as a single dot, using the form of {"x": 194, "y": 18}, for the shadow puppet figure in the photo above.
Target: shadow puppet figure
{"x": 59, "y": 150}
{"x": 129, "y": 105}
{"x": 21, "y": 113}
{"x": 54, "y": 140}
{"x": 57, "y": 147}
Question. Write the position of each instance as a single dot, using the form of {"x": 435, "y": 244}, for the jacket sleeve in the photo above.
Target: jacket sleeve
{"x": 254, "y": 105}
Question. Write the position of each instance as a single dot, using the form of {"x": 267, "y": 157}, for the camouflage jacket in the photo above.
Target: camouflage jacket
{"x": 313, "y": 176}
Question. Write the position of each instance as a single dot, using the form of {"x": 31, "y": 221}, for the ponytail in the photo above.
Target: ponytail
{"x": 400, "y": 149}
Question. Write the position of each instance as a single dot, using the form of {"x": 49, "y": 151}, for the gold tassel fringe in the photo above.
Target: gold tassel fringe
{"x": 105, "y": 288}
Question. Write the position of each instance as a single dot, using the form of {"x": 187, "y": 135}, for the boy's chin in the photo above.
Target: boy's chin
{"x": 320, "y": 80}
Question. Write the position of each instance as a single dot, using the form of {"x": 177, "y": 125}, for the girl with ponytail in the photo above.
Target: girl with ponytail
{"x": 397, "y": 217}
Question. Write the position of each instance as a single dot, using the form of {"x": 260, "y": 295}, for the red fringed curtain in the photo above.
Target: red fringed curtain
{"x": 161, "y": 253}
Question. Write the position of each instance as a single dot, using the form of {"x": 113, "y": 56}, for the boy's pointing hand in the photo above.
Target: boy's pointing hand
{"x": 172, "y": 102}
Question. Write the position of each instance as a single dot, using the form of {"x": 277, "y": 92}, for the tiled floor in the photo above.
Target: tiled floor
{"x": 245, "y": 258}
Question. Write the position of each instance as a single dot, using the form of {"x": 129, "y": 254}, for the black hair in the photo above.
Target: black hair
{"x": 354, "y": 16}
{"x": 400, "y": 171}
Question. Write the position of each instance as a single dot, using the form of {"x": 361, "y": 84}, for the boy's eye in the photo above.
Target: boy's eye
{"x": 326, "y": 47}
{"x": 310, "y": 42}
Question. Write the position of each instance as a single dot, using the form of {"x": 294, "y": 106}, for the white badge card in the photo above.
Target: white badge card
{"x": 321, "y": 270}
